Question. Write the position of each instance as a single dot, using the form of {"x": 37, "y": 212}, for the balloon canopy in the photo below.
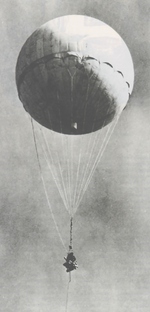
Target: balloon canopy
{"x": 74, "y": 75}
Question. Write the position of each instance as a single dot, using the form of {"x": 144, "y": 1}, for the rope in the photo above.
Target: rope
{"x": 89, "y": 147}
{"x": 70, "y": 150}
{"x": 71, "y": 176}
{"x": 64, "y": 156}
{"x": 60, "y": 190}
{"x": 60, "y": 169}
{"x": 77, "y": 175}
{"x": 97, "y": 160}
{"x": 67, "y": 295}
{"x": 44, "y": 186}
{"x": 87, "y": 165}
{"x": 78, "y": 186}
{"x": 71, "y": 225}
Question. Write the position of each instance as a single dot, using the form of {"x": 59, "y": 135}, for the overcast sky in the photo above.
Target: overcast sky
{"x": 112, "y": 225}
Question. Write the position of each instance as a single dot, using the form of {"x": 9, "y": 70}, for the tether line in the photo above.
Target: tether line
{"x": 67, "y": 295}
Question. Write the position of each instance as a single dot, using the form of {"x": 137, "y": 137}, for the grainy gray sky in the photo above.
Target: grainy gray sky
{"x": 112, "y": 225}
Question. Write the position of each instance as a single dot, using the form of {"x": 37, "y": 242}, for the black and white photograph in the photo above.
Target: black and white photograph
{"x": 75, "y": 156}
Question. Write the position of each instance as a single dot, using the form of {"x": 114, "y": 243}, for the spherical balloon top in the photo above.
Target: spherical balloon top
{"x": 74, "y": 74}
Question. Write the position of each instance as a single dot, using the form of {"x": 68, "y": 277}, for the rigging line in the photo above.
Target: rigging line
{"x": 68, "y": 171}
{"x": 79, "y": 186}
{"x": 72, "y": 185}
{"x": 89, "y": 142}
{"x": 95, "y": 142}
{"x": 54, "y": 175}
{"x": 47, "y": 153}
{"x": 88, "y": 180}
{"x": 50, "y": 168}
{"x": 67, "y": 295}
{"x": 88, "y": 163}
{"x": 65, "y": 152}
{"x": 98, "y": 158}
{"x": 59, "y": 166}
{"x": 56, "y": 182}
{"x": 98, "y": 136}
{"x": 64, "y": 187}
{"x": 99, "y": 155}
{"x": 78, "y": 180}
{"x": 79, "y": 174}
{"x": 67, "y": 155}
{"x": 71, "y": 229}
{"x": 79, "y": 161}
{"x": 70, "y": 168}
{"x": 44, "y": 186}
{"x": 71, "y": 148}
{"x": 86, "y": 103}
{"x": 60, "y": 169}
{"x": 52, "y": 172}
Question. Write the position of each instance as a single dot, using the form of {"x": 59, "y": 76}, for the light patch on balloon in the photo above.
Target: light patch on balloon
{"x": 96, "y": 39}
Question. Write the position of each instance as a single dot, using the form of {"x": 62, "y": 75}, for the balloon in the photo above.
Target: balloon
{"x": 74, "y": 75}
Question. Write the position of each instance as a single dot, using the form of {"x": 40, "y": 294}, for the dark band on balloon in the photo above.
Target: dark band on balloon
{"x": 62, "y": 56}
{"x": 46, "y": 59}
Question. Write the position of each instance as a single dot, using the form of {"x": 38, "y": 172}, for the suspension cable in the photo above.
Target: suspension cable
{"x": 62, "y": 194}
{"x": 44, "y": 186}
{"x": 90, "y": 148}
{"x": 97, "y": 160}
{"x": 71, "y": 227}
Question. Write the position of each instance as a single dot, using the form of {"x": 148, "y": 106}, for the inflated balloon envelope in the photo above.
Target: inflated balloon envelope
{"x": 74, "y": 76}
